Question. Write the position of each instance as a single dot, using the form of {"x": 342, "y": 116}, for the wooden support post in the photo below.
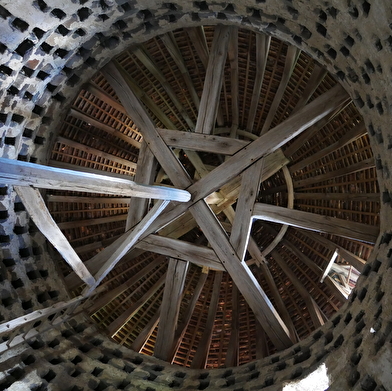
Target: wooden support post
{"x": 174, "y": 284}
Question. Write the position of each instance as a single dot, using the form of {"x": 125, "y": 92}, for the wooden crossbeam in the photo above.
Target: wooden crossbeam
{"x": 170, "y": 308}
{"x": 16, "y": 172}
{"x": 87, "y": 200}
{"x": 35, "y": 206}
{"x": 200, "y": 358}
{"x": 202, "y": 142}
{"x": 315, "y": 222}
{"x": 209, "y": 101}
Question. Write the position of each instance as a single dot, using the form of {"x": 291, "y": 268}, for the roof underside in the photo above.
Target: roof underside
{"x": 326, "y": 170}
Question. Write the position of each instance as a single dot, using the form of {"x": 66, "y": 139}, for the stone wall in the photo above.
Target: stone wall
{"x": 48, "y": 50}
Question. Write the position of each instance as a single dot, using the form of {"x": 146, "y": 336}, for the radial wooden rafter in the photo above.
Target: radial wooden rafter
{"x": 223, "y": 183}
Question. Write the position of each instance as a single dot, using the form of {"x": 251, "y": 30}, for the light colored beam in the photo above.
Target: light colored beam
{"x": 314, "y": 222}
{"x": 170, "y": 308}
{"x": 16, "y": 172}
{"x": 210, "y": 98}
{"x": 35, "y": 206}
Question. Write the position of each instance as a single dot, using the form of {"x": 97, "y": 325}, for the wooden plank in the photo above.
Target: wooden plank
{"x": 118, "y": 290}
{"x": 182, "y": 327}
{"x": 242, "y": 276}
{"x": 88, "y": 222}
{"x": 200, "y": 358}
{"x": 108, "y": 129}
{"x": 125, "y": 245}
{"x": 96, "y": 152}
{"x": 146, "y": 165}
{"x": 179, "y": 249}
{"x": 263, "y": 42}
{"x": 232, "y": 355}
{"x": 315, "y": 222}
{"x": 329, "y": 266}
{"x": 351, "y": 169}
{"x": 20, "y": 173}
{"x": 202, "y": 142}
{"x": 170, "y": 308}
{"x": 210, "y": 98}
{"x": 113, "y": 328}
{"x": 291, "y": 59}
{"x": 35, "y": 206}
{"x": 242, "y": 222}
{"x": 301, "y": 289}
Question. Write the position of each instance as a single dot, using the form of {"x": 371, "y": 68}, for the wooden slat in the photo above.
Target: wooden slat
{"x": 291, "y": 59}
{"x": 209, "y": 101}
{"x": 142, "y": 337}
{"x": 314, "y": 222}
{"x": 301, "y": 289}
{"x": 201, "y": 355}
{"x": 174, "y": 284}
{"x": 20, "y": 173}
{"x": 35, "y": 206}
{"x": 108, "y": 129}
{"x": 358, "y": 197}
{"x": 116, "y": 325}
{"x": 118, "y": 290}
{"x": 88, "y": 222}
{"x": 202, "y": 142}
{"x": 86, "y": 200}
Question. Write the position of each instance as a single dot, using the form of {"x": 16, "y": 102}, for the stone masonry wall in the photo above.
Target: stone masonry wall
{"x": 48, "y": 50}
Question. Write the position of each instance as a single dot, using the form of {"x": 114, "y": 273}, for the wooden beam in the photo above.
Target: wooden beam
{"x": 179, "y": 249}
{"x": 118, "y": 290}
{"x": 117, "y": 324}
{"x": 315, "y": 222}
{"x": 88, "y": 222}
{"x": 124, "y": 246}
{"x": 291, "y": 59}
{"x": 142, "y": 337}
{"x": 202, "y": 142}
{"x": 200, "y": 358}
{"x": 210, "y": 98}
{"x": 242, "y": 276}
{"x": 108, "y": 129}
{"x": 232, "y": 355}
{"x": 301, "y": 289}
{"x": 146, "y": 166}
{"x": 350, "y": 169}
{"x": 329, "y": 266}
{"x": 170, "y": 308}
{"x": 20, "y": 173}
{"x": 182, "y": 327}
{"x": 86, "y": 200}
{"x": 35, "y": 206}
{"x": 263, "y": 42}
{"x": 242, "y": 222}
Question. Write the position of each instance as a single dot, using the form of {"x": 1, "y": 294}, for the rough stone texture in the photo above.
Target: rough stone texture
{"x": 48, "y": 50}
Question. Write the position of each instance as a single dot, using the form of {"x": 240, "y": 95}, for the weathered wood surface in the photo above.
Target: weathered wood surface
{"x": 170, "y": 308}
{"x": 315, "y": 222}
{"x": 20, "y": 173}
{"x": 35, "y": 206}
